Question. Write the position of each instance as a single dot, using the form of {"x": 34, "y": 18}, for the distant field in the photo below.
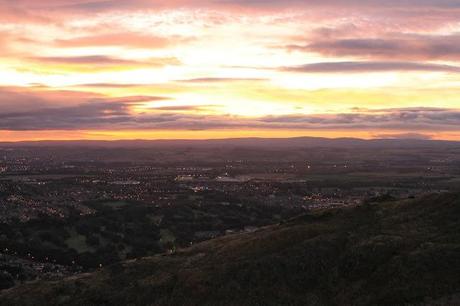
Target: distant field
{"x": 78, "y": 242}
{"x": 115, "y": 204}
{"x": 399, "y": 174}
{"x": 45, "y": 177}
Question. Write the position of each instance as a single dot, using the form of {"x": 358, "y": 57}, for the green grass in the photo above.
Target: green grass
{"x": 78, "y": 242}
{"x": 166, "y": 236}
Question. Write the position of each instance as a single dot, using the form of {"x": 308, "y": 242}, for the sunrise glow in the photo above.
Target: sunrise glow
{"x": 147, "y": 69}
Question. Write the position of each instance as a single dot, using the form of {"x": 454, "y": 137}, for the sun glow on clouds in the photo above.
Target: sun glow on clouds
{"x": 205, "y": 69}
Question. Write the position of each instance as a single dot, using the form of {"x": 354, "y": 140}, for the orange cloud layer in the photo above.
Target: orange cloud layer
{"x": 212, "y": 69}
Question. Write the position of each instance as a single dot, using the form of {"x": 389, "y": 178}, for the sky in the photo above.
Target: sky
{"x": 199, "y": 69}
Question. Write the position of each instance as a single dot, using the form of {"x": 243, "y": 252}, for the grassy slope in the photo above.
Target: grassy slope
{"x": 380, "y": 254}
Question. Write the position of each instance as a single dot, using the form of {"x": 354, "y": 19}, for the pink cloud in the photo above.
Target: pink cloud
{"x": 135, "y": 40}
{"x": 98, "y": 61}
{"x": 414, "y": 47}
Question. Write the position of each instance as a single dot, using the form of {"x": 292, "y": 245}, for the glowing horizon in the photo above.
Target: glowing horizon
{"x": 201, "y": 69}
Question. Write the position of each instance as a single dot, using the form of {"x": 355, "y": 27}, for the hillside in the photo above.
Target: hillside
{"x": 393, "y": 253}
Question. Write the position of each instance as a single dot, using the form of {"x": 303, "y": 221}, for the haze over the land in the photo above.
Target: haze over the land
{"x": 200, "y": 69}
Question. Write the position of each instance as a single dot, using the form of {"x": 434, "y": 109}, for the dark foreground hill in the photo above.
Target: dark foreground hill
{"x": 395, "y": 253}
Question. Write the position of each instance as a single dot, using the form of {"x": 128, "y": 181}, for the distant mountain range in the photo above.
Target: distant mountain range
{"x": 387, "y": 253}
{"x": 246, "y": 142}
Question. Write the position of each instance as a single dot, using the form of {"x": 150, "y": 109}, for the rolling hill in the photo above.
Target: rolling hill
{"x": 391, "y": 253}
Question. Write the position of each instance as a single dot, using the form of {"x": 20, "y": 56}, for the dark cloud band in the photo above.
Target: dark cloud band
{"x": 337, "y": 67}
{"x": 47, "y": 112}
